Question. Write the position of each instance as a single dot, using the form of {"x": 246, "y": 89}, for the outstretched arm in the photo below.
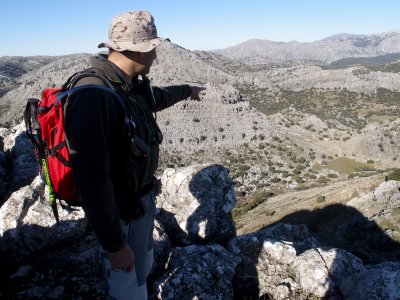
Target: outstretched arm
{"x": 168, "y": 96}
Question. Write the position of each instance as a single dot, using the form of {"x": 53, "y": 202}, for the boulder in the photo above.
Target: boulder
{"x": 196, "y": 203}
{"x": 377, "y": 282}
{"x": 198, "y": 272}
{"x": 265, "y": 259}
{"x": 320, "y": 271}
{"x": 386, "y": 190}
{"x": 27, "y": 223}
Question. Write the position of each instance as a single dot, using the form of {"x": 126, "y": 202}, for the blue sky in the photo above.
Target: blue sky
{"x": 44, "y": 27}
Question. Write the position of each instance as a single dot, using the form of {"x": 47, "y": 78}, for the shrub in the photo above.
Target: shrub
{"x": 275, "y": 180}
{"x": 394, "y": 175}
{"x": 301, "y": 159}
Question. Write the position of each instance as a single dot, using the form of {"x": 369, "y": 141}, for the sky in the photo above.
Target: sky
{"x": 55, "y": 27}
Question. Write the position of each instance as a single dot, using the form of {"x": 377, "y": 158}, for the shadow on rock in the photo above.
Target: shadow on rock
{"x": 329, "y": 253}
{"x": 195, "y": 208}
{"x": 50, "y": 262}
{"x": 344, "y": 227}
{"x": 195, "y": 205}
{"x": 206, "y": 186}
{"x": 20, "y": 166}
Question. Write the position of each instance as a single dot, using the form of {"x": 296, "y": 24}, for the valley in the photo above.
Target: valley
{"x": 280, "y": 125}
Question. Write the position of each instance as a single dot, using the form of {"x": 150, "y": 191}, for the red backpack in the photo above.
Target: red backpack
{"x": 44, "y": 121}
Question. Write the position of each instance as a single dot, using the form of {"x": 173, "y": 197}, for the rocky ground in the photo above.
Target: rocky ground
{"x": 332, "y": 252}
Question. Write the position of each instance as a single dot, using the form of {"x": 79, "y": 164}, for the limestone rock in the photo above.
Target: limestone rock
{"x": 377, "y": 282}
{"x": 24, "y": 165}
{"x": 386, "y": 190}
{"x": 198, "y": 272}
{"x": 27, "y": 224}
{"x": 162, "y": 247}
{"x": 195, "y": 204}
{"x": 265, "y": 259}
{"x": 319, "y": 271}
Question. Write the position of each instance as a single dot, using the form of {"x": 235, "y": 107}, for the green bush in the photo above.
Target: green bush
{"x": 275, "y": 180}
{"x": 394, "y": 175}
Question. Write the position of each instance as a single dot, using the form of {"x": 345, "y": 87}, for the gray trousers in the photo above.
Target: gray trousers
{"x": 139, "y": 234}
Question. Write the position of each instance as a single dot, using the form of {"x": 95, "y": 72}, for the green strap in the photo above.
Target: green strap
{"x": 53, "y": 203}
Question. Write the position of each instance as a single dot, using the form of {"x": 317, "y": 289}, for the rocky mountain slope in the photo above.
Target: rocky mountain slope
{"x": 332, "y": 48}
{"x": 12, "y": 67}
{"x": 304, "y": 144}
{"x": 332, "y": 252}
{"x": 281, "y": 249}
{"x": 259, "y": 121}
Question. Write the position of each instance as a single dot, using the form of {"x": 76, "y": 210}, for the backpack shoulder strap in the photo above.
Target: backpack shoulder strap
{"x": 91, "y": 72}
{"x": 31, "y": 120}
{"x": 129, "y": 125}
{"x": 70, "y": 91}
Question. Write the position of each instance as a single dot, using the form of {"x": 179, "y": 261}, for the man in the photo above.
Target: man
{"x": 114, "y": 167}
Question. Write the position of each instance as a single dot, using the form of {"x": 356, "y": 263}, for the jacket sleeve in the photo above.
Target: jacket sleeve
{"x": 168, "y": 96}
{"x": 89, "y": 117}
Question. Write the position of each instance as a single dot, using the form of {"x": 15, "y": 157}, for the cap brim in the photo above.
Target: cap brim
{"x": 145, "y": 46}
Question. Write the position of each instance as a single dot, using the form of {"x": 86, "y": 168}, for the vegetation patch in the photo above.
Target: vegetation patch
{"x": 394, "y": 175}
{"x": 243, "y": 207}
{"x": 343, "y": 165}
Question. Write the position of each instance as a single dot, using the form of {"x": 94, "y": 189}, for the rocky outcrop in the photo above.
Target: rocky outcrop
{"x": 376, "y": 282}
{"x": 285, "y": 262}
{"x": 27, "y": 224}
{"x": 198, "y": 272}
{"x": 195, "y": 204}
{"x": 198, "y": 254}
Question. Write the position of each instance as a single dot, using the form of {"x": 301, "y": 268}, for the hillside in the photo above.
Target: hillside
{"x": 327, "y": 50}
{"x": 273, "y": 127}
{"x": 307, "y": 133}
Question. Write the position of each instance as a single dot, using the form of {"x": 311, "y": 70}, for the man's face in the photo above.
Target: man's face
{"x": 146, "y": 61}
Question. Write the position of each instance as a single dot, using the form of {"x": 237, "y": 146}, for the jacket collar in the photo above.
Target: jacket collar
{"x": 111, "y": 70}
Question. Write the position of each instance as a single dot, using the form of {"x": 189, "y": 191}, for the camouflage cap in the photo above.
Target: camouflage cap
{"x": 133, "y": 31}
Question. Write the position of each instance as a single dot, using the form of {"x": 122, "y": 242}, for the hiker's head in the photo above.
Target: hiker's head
{"x": 132, "y": 31}
{"x": 134, "y": 35}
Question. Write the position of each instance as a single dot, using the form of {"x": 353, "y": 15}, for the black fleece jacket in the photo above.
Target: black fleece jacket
{"x": 103, "y": 168}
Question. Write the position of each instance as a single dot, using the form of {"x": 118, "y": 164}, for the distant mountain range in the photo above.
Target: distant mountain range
{"x": 336, "y": 47}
